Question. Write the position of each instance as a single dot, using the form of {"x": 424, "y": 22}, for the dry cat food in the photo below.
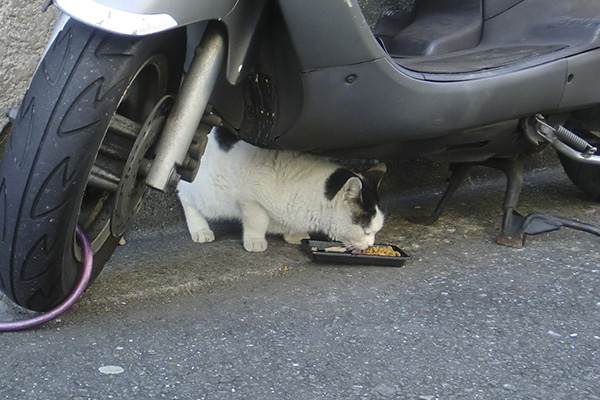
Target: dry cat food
{"x": 387, "y": 251}
{"x": 381, "y": 251}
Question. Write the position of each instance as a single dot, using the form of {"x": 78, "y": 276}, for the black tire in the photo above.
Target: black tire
{"x": 65, "y": 119}
{"x": 585, "y": 176}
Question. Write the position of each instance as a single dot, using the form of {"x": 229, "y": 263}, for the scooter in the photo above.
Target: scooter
{"x": 126, "y": 93}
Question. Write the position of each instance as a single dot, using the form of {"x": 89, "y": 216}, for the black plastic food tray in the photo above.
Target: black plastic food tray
{"x": 317, "y": 249}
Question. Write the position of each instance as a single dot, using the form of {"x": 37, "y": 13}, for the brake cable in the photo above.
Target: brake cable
{"x": 84, "y": 279}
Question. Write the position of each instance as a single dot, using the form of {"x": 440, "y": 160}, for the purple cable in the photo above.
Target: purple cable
{"x": 84, "y": 279}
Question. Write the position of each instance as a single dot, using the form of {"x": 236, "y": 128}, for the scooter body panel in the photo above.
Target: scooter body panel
{"x": 583, "y": 87}
{"x": 383, "y": 106}
{"x": 328, "y": 34}
{"x": 360, "y": 101}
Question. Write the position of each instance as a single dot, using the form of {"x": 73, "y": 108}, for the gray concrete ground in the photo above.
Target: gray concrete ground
{"x": 464, "y": 319}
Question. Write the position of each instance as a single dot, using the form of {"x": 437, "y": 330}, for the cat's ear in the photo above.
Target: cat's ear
{"x": 353, "y": 188}
{"x": 375, "y": 174}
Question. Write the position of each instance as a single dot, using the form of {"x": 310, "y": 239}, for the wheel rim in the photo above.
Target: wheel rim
{"x": 146, "y": 89}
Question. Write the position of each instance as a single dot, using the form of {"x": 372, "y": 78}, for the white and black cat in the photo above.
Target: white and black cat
{"x": 282, "y": 192}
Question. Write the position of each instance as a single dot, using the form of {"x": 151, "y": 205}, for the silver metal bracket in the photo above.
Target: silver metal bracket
{"x": 186, "y": 114}
{"x": 567, "y": 142}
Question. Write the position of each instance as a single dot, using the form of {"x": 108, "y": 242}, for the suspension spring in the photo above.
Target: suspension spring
{"x": 568, "y": 137}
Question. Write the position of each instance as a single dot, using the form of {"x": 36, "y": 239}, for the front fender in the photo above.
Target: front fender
{"x": 144, "y": 17}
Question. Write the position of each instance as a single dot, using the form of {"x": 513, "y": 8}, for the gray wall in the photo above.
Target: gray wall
{"x": 24, "y": 30}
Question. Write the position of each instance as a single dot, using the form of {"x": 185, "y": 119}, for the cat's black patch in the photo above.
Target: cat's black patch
{"x": 365, "y": 207}
{"x": 336, "y": 181}
{"x": 225, "y": 138}
{"x": 366, "y": 210}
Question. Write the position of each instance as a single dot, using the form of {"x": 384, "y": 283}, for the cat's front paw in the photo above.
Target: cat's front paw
{"x": 203, "y": 236}
{"x": 255, "y": 245}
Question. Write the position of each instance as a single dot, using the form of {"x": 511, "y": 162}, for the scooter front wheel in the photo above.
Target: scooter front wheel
{"x": 83, "y": 135}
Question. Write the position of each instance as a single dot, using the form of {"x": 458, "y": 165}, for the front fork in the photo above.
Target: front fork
{"x": 188, "y": 109}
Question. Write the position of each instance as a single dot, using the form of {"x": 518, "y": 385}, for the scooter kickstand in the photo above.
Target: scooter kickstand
{"x": 459, "y": 173}
{"x": 513, "y": 168}
{"x": 516, "y": 227}
{"x": 539, "y": 222}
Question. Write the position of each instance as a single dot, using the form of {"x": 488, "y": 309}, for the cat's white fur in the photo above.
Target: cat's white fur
{"x": 272, "y": 191}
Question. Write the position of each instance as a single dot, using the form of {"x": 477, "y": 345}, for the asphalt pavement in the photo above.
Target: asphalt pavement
{"x": 465, "y": 318}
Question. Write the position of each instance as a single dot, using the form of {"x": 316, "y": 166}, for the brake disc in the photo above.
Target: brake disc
{"x": 132, "y": 187}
